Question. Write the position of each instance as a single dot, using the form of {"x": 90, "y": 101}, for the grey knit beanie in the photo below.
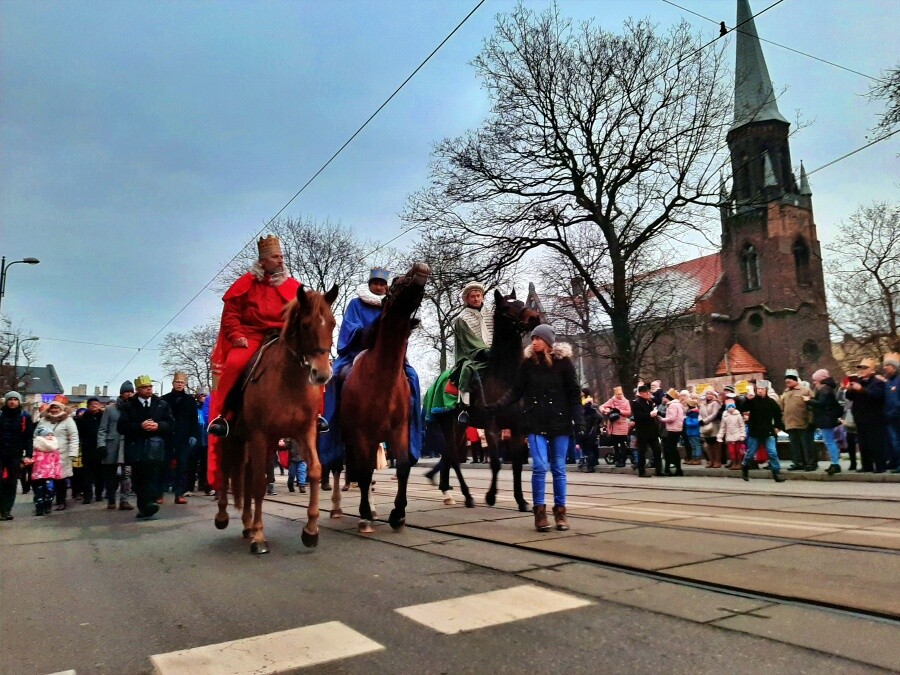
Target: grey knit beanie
{"x": 126, "y": 386}
{"x": 545, "y": 333}
{"x": 12, "y": 394}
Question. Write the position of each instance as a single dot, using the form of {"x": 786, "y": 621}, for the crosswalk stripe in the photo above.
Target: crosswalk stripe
{"x": 493, "y": 608}
{"x": 271, "y": 653}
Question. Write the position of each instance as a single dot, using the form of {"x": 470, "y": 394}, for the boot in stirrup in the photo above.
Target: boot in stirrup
{"x": 219, "y": 427}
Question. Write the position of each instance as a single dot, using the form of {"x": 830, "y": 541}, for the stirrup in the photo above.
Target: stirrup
{"x": 219, "y": 427}
{"x": 322, "y": 425}
{"x": 463, "y": 418}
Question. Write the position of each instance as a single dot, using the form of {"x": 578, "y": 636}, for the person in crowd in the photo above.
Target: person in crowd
{"x": 184, "y": 434}
{"x": 296, "y": 466}
{"x": 60, "y": 423}
{"x": 710, "y": 416}
{"x": 732, "y": 431}
{"x": 589, "y": 442}
{"x": 797, "y": 421}
{"x": 116, "y": 474}
{"x": 547, "y": 382}
{"x": 617, "y": 411}
{"x": 204, "y": 399}
{"x": 866, "y": 392}
{"x": 253, "y": 306}
{"x": 848, "y": 425}
{"x": 646, "y": 430}
{"x": 763, "y": 422}
{"x": 891, "y": 368}
{"x": 692, "y": 432}
{"x": 657, "y": 393}
{"x": 91, "y": 455}
{"x": 473, "y": 334}
{"x": 46, "y": 467}
{"x": 145, "y": 421}
{"x": 15, "y": 444}
{"x": 826, "y": 415}
{"x": 674, "y": 421}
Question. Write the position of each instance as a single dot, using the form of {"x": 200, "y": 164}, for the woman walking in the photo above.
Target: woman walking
{"x": 674, "y": 421}
{"x": 617, "y": 411}
{"x": 552, "y": 410}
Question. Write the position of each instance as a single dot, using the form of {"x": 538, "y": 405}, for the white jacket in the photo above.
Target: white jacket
{"x": 67, "y": 434}
{"x": 733, "y": 428}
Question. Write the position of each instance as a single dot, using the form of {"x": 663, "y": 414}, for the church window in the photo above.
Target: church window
{"x": 811, "y": 350}
{"x": 801, "y": 262}
{"x": 756, "y": 321}
{"x": 750, "y": 267}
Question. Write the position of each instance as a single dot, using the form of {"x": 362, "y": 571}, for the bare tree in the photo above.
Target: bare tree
{"x": 317, "y": 253}
{"x": 593, "y": 137}
{"x": 864, "y": 281}
{"x": 10, "y": 339}
{"x": 190, "y": 353}
{"x": 887, "y": 89}
{"x": 452, "y": 266}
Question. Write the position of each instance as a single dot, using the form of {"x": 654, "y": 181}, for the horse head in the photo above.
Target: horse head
{"x": 513, "y": 314}
{"x": 405, "y": 293}
{"x": 308, "y": 331}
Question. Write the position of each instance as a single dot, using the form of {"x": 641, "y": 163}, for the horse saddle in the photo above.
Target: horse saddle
{"x": 253, "y": 371}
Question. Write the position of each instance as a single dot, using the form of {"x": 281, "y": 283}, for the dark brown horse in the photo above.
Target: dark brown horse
{"x": 281, "y": 400}
{"x": 512, "y": 319}
{"x": 375, "y": 398}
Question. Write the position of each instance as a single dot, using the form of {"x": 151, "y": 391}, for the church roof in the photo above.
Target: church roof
{"x": 700, "y": 274}
{"x": 741, "y": 361}
{"x": 754, "y": 97}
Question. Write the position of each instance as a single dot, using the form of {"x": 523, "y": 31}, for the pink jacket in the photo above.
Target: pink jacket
{"x": 733, "y": 427}
{"x": 674, "y": 418}
{"x": 620, "y": 426}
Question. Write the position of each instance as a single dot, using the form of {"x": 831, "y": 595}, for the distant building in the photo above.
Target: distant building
{"x": 762, "y": 296}
{"x": 34, "y": 382}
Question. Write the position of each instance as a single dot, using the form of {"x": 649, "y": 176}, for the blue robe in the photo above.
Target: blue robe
{"x": 357, "y": 317}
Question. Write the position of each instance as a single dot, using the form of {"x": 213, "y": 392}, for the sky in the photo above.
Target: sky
{"x": 143, "y": 144}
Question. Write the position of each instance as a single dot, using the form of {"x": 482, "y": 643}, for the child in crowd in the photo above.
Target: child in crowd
{"x": 46, "y": 467}
{"x": 733, "y": 431}
{"x": 692, "y": 431}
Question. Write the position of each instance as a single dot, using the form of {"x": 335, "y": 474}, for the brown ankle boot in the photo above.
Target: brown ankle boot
{"x": 559, "y": 514}
{"x": 541, "y": 524}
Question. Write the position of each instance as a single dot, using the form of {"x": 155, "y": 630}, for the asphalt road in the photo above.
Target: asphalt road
{"x": 97, "y": 591}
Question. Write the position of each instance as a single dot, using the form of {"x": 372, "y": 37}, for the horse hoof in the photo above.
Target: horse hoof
{"x": 449, "y": 501}
{"x": 365, "y": 527}
{"x": 221, "y": 524}
{"x": 259, "y": 547}
{"x": 470, "y": 502}
{"x": 396, "y": 520}
{"x": 309, "y": 540}
{"x": 523, "y": 507}
{"x": 336, "y": 513}
{"x": 245, "y": 533}
{"x": 490, "y": 498}
{"x": 374, "y": 514}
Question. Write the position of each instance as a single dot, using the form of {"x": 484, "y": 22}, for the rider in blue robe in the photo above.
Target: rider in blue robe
{"x": 360, "y": 314}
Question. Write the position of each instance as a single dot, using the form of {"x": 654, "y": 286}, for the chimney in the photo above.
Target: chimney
{"x": 96, "y": 391}
{"x": 105, "y": 390}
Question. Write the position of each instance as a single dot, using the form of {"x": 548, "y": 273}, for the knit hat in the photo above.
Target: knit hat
{"x": 12, "y": 394}
{"x": 143, "y": 381}
{"x": 471, "y": 286}
{"x": 379, "y": 274}
{"x": 126, "y": 386}
{"x": 709, "y": 391}
{"x": 820, "y": 374}
{"x": 92, "y": 399}
{"x": 546, "y": 333}
{"x": 267, "y": 246}
{"x": 892, "y": 359}
{"x": 763, "y": 384}
{"x": 672, "y": 394}
{"x": 730, "y": 404}
{"x": 791, "y": 374}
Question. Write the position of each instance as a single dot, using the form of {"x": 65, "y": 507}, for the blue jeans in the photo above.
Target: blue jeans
{"x": 893, "y": 438}
{"x": 548, "y": 454}
{"x": 696, "y": 447}
{"x": 834, "y": 452}
{"x": 771, "y": 449}
{"x": 296, "y": 473}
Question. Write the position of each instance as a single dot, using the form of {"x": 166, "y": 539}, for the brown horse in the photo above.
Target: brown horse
{"x": 512, "y": 319}
{"x": 282, "y": 399}
{"x": 375, "y": 398}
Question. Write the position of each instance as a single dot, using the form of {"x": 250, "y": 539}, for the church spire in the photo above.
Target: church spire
{"x": 804, "y": 182}
{"x": 754, "y": 97}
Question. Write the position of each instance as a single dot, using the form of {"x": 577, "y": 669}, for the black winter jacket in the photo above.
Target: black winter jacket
{"x": 15, "y": 433}
{"x": 868, "y": 404}
{"x": 551, "y": 399}
{"x": 141, "y": 445}
{"x": 826, "y": 410}
{"x": 88, "y": 426}
{"x": 184, "y": 412}
{"x": 644, "y": 425}
{"x": 765, "y": 417}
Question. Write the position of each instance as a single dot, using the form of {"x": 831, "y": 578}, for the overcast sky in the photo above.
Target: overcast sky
{"x": 142, "y": 144}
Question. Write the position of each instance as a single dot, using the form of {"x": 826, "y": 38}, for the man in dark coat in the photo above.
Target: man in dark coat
{"x": 867, "y": 394}
{"x": 646, "y": 430}
{"x": 764, "y": 419}
{"x": 185, "y": 430}
{"x": 91, "y": 455}
{"x": 145, "y": 421}
{"x": 15, "y": 443}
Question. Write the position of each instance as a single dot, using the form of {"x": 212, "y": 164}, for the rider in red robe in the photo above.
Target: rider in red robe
{"x": 254, "y": 305}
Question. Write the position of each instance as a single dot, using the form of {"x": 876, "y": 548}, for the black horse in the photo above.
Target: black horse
{"x": 512, "y": 319}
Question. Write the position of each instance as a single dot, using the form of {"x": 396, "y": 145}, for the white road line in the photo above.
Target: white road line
{"x": 64, "y": 672}
{"x": 271, "y": 653}
{"x": 481, "y": 610}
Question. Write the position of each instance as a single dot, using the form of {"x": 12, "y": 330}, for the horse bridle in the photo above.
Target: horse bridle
{"x": 520, "y": 328}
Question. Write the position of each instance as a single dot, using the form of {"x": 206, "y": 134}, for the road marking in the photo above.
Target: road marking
{"x": 271, "y": 653}
{"x": 493, "y": 608}
{"x": 65, "y": 672}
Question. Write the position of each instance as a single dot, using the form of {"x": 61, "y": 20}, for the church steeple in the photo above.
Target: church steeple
{"x": 754, "y": 97}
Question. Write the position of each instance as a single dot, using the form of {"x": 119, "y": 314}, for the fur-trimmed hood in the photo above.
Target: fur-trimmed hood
{"x": 256, "y": 269}
{"x": 561, "y": 350}
{"x": 368, "y": 297}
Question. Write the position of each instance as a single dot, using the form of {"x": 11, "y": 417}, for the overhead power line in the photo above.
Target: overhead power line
{"x": 307, "y": 184}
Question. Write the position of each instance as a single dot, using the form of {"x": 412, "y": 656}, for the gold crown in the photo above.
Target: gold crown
{"x": 268, "y": 245}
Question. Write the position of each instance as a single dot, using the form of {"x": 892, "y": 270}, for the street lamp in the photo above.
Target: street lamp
{"x": 18, "y": 340}
{"x": 4, "y": 267}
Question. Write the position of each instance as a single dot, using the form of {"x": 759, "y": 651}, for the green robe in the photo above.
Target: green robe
{"x": 471, "y": 355}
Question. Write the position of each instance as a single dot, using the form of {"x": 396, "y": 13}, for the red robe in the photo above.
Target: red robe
{"x": 252, "y": 309}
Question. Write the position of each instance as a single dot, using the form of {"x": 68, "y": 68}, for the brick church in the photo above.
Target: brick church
{"x": 757, "y": 306}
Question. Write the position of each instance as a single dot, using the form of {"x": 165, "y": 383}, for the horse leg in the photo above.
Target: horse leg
{"x": 310, "y": 534}
{"x": 397, "y": 518}
{"x": 365, "y": 508}
{"x": 494, "y": 453}
{"x": 518, "y": 461}
{"x": 336, "y": 511}
{"x": 258, "y": 484}
{"x": 463, "y": 486}
{"x": 221, "y": 519}
{"x": 247, "y": 492}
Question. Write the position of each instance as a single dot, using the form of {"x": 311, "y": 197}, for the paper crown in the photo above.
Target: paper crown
{"x": 268, "y": 245}
{"x": 380, "y": 273}
{"x": 143, "y": 381}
